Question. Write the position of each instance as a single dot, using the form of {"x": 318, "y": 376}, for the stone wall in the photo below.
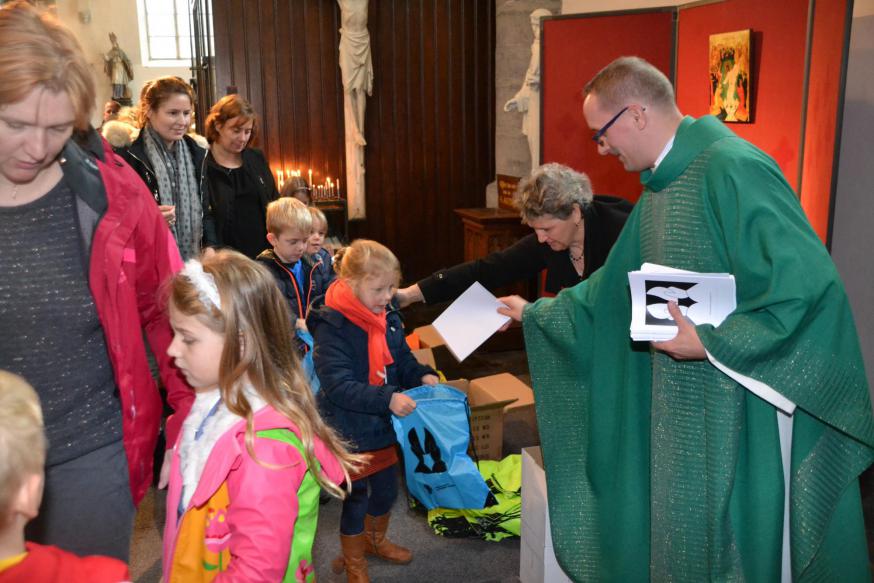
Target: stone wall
{"x": 513, "y": 39}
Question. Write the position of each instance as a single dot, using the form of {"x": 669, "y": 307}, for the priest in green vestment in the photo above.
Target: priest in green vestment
{"x": 729, "y": 453}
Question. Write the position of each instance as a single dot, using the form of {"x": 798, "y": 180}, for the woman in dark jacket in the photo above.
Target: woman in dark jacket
{"x": 169, "y": 161}
{"x": 573, "y": 233}
{"x": 240, "y": 181}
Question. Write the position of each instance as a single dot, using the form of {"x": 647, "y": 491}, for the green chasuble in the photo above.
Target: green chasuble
{"x": 670, "y": 471}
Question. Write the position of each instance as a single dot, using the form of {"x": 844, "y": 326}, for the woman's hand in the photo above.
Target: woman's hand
{"x": 401, "y": 405}
{"x": 301, "y": 324}
{"x": 514, "y": 306}
{"x": 168, "y": 211}
{"x": 685, "y": 345}
{"x": 164, "y": 476}
{"x": 409, "y": 295}
{"x": 430, "y": 379}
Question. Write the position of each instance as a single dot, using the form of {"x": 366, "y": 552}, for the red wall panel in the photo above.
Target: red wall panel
{"x": 574, "y": 50}
{"x": 823, "y": 106}
{"x": 801, "y": 136}
{"x": 779, "y": 38}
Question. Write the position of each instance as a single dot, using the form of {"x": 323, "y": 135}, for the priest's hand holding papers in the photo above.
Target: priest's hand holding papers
{"x": 470, "y": 320}
{"x": 659, "y": 294}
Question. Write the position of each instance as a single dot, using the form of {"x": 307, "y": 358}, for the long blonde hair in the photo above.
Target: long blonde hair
{"x": 258, "y": 350}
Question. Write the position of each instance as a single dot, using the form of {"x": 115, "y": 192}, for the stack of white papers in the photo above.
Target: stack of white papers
{"x": 704, "y": 298}
{"x": 470, "y": 320}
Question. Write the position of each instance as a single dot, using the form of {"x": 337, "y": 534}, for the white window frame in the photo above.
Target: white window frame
{"x": 145, "y": 51}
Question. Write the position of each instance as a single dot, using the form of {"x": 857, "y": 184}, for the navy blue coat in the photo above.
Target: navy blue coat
{"x": 315, "y": 282}
{"x": 348, "y": 403}
{"x": 325, "y": 274}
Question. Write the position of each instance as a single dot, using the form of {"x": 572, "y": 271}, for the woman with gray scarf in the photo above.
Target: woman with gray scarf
{"x": 169, "y": 161}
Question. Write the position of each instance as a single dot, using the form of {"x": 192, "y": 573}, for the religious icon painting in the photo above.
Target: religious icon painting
{"x": 730, "y": 76}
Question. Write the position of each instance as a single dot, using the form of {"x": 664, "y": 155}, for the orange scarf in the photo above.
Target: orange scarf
{"x": 341, "y": 298}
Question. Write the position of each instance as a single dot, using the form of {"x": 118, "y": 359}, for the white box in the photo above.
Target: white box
{"x": 537, "y": 562}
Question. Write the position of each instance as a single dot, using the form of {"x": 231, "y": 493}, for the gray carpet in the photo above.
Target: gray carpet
{"x": 435, "y": 559}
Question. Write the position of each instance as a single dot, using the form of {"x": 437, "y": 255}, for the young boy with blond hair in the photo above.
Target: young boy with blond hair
{"x": 289, "y": 227}
{"x": 317, "y": 254}
{"x": 22, "y": 456}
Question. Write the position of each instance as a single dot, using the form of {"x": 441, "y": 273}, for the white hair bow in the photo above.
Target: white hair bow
{"x": 203, "y": 282}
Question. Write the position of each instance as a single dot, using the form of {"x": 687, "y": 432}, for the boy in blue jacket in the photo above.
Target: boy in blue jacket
{"x": 289, "y": 226}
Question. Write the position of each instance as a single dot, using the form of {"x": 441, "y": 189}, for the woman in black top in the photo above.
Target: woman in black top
{"x": 240, "y": 181}
{"x": 573, "y": 233}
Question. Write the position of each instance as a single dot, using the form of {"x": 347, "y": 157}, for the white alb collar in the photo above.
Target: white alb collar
{"x": 664, "y": 153}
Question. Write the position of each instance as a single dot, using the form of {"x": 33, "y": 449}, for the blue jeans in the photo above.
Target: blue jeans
{"x": 373, "y": 495}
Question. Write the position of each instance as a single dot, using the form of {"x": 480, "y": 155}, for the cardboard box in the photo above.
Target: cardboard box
{"x": 486, "y": 419}
{"x": 507, "y": 386}
{"x": 537, "y": 563}
{"x": 429, "y": 337}
{"x": 425, "y": 356}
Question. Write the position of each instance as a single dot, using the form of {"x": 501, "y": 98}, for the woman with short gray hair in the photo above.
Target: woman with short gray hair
{"x": 552, "y": 189}
{"x": 573, "y": 233}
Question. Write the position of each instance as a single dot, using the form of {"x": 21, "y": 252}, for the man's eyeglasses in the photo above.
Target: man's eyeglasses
{"x": 600, "y": 133}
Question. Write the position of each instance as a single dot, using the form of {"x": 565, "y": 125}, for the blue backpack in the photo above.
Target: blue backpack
{"x": 434, "y": 439}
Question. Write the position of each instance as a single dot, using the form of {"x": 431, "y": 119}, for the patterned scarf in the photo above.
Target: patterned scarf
{"x": 177, "y": 185}
{"x": 341, "y": 297}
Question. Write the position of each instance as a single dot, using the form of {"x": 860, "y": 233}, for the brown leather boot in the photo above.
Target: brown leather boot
{"x": 352, "y": 560}
{"x": 377, "y": 544}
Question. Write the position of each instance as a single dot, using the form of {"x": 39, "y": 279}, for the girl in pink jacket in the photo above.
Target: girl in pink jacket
{"x": 253, "y": 452}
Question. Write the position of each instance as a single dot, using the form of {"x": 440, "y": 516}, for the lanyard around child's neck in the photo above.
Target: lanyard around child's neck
{"x": 199, "y": 432}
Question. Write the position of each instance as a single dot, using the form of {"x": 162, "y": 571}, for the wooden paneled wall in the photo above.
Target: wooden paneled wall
{"x": 429, "y": 123}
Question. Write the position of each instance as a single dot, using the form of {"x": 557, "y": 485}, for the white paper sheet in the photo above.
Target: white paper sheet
{"x": 470, "y": 320}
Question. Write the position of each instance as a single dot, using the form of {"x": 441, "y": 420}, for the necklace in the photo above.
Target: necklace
{"x": 576, "y": 258}
{"x": 14, "y": 193}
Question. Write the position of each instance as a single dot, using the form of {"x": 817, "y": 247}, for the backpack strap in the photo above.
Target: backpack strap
{"x": 300, "y": 559}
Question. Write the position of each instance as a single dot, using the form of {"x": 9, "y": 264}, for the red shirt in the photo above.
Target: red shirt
{"x": 48, "y": 564}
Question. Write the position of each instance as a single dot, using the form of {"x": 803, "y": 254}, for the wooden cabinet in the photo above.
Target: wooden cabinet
{"x": 489, "y": 229}
{"x": 492, "y": 229}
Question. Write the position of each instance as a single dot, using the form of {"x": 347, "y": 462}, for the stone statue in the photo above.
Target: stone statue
{"x": 527, "y": 99}
{"x": 356, "y": 69}
{"x": 117, "y": 66}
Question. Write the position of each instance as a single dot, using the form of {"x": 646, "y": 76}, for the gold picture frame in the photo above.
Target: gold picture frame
{"x": 730, "y": 76}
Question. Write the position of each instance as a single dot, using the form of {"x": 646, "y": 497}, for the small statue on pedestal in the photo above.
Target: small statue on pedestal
{"x": 117, "y": 66}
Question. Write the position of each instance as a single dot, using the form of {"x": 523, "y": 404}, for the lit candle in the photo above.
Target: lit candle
{"x": 310, "y": 182}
